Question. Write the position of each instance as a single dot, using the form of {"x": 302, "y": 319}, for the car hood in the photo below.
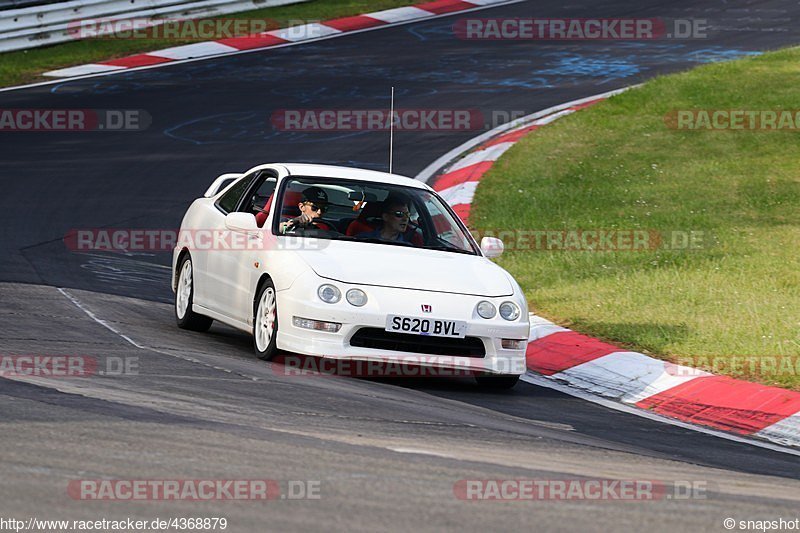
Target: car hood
{"x": 407, "y": 268}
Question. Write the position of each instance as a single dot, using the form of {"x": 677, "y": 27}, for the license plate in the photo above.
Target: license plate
{"x": 433, "y": 327}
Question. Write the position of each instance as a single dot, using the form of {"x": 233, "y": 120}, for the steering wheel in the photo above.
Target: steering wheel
{"x": 313, "y": 226}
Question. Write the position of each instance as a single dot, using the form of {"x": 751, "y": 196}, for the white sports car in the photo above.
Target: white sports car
{"x": 348, "y": 264}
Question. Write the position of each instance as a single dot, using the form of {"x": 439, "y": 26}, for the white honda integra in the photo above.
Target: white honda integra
{"x": 348, "y": 264}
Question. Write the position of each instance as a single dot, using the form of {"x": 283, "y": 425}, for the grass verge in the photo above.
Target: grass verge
{"x": 27, "y": 66}
{"x": 732, "y": 305}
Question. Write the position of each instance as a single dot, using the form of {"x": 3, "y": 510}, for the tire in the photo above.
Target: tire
{"x": 497, "y": 382}
{"x": 184, "y": 296}
{"x": 265, "y": 322}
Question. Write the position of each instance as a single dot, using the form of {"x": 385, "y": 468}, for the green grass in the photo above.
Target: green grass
{"x": 26, "y": 66}
{"x": 618, "y": 166}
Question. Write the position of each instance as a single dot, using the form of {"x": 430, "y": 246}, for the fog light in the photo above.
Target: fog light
{"x": 319, "y": 325}
{"x": 513, "y": 344}
{"x": 486, "y": 309}
{"x": 356, "y": 297}
{"x": 329, "y": 294}
{"x": 509, "y": 310}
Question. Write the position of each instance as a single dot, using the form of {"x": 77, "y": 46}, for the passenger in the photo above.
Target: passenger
{"x": 395, "y": 215}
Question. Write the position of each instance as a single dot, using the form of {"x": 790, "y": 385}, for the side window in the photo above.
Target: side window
{"x": 230, "y": 199}
{"x": 443, "y": 225}
{"x": 258, "y": 199}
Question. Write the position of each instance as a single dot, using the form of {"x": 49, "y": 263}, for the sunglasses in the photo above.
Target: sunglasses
{"x": 315, "y": 207}
{"x": 401, "y": 214}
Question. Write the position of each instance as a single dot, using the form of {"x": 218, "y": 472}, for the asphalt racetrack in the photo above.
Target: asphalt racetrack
{"x": 386, "y": 454}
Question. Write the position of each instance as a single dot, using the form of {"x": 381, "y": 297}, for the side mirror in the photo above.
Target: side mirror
{"x": 244, "y": 222}
{"x": 492, "y": 247}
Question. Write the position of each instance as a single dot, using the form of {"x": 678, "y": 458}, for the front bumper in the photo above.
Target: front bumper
{"x": 302, "y": 301}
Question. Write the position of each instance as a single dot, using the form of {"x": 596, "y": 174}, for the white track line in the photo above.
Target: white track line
{"x": 100, "y": 320}
{"x": 422, "y": 452}
{"x": 114, "y": 330}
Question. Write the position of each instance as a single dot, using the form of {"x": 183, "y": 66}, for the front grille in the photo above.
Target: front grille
{"x": 401, "y": 342}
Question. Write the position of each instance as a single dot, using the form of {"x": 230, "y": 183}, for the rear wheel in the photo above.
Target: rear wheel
{"x": 184, "y": 296}
{"x": 265, "y": 323}
{"x": 497, "y": 382}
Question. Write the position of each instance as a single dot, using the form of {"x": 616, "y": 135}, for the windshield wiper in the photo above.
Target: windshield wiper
{"x": 448, "y": 249}
{"x": 376, "y": 240}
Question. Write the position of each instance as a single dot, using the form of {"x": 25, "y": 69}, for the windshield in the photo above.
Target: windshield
{"x": 372, "y": 212}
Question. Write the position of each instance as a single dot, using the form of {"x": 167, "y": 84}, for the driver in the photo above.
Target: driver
{"x": 395, "y": 215}
{"x": 314, "y": 203}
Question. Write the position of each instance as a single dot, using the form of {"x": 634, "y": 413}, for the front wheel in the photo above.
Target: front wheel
{"x": 497, "y": 382}
{"x": 265, "y": 325}
{"x": 184, "y": 296}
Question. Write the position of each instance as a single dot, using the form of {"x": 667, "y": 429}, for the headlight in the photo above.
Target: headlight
{"x": 329, "y": 294}
{"x": 486, "y": 309}
{"x": 356, "y": 297}
{"x": 509, "y": 310}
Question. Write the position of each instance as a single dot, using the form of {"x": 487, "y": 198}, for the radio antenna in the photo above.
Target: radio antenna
{"x": 391, "y": 133}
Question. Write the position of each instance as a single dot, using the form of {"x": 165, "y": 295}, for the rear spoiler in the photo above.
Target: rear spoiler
{"x": 220, "y": 183}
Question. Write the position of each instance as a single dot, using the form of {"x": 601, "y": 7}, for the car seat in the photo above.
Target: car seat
{"x": 261, "y": 216}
